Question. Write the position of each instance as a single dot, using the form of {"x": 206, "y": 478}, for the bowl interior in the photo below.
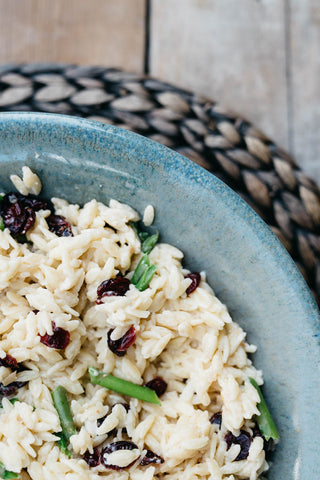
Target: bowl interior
{"x": 246, "y": 265}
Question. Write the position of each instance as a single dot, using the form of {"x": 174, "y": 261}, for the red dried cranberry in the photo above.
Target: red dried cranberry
{"x": 195, "y": 278}
{"x": 18, "y": 211}
{"x": 244, "y": 440}
{"x": 116, "y": 287}
{"x": 9, "y": 362}
{"x": 59, "y": 225}
{"x": 216, "y": 419}
{"x": 113, "y": 447}
{"x": 120, "y": 346}
{"x": 92, "y": 459}
{"x": 11, "y": 389}
{"x": 59, "y": 340}
{"x": 158, "y": 385}
{"x": 151, "y": 457}
{"x": 34, "y": 202}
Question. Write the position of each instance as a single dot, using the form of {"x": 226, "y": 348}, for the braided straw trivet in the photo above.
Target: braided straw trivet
{"x": 218, "y": 140}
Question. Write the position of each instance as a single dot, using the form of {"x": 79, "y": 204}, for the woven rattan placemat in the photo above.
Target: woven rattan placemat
{"x": 218, "y": 140}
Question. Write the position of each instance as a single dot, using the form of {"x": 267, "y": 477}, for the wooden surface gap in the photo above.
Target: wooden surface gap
{"x": 147, "y": 35}
{"x": 288, "y": 72}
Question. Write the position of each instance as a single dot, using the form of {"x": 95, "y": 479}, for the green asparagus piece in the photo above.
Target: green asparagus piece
{"x": 143, "y": 273}
{"x": 149, "y": 243}
{"x": 60, "y": 401}
{"x": 265, "y": 421}
{"x": 122, "y": 386}
{"x": 63, "y": 445}
{"x": 6, "y": 473}
{"x": 141, "y": 268}
{"x": 145, "y": 279}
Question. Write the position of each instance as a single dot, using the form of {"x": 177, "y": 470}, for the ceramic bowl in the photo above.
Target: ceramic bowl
{"x": 248, "y": 268}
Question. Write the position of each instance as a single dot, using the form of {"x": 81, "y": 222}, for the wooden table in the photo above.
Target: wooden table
{"x": 258, "y": 57}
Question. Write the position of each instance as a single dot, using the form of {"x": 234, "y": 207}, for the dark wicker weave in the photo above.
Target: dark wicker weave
{"x": 219, "y": 140}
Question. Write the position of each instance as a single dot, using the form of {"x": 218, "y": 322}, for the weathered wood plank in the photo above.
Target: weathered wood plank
{"x": 230, "y": 50}
{"x": 305, "y": 86}
{"x": 92, "y": 32}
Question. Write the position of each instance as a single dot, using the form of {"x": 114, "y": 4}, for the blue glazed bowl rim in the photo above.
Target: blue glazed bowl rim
{"x": 98, "y": 134}
{"x": 205, "y": 179}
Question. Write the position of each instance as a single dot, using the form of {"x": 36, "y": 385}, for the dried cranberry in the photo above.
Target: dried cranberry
{"x": 59, "y": 340}
{"x": 92, "y": 459}
{"x": 244, "y": 440}
{"x": 9, "y": 362}
{"x": 195, "y": 278}
{"x": 35, "y": 202}
{"x": 216, "y": 419}
{"x": 113, "y": 447}
{"x": 120, "y": 346}
{"x": 158, "y": 385}
{"x": 151, "y": 457}
{"x": 116, "y": 287}
{"x": 11, "y": 389}
{"x": 59, "y": 225}
{"x": 18, "y": 211}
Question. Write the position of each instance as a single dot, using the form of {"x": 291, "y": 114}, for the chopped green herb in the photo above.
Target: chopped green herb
{"x": 63, "y": 445}
{"x": 6, "y": 473}
{"x": 143, "y": 273}
{"x": 264, "y": 420}
{"x": 123, "y": 386}
{"x": 60, "y": 401}
{"x": 2, "y": 227}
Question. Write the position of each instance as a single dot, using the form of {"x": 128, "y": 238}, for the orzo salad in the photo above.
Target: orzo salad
{"x": 115, "y": 361}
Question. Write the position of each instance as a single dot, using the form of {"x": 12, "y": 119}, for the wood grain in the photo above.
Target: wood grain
{"x": 229, "y": 50}
{"x": 305, "y": 86}
{"x": 91, "y": 32}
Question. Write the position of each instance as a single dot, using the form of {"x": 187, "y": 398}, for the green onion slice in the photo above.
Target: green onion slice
{"x": 123, "y": 386}
{"x": 264, "y": 420}
{"x": 2, "y": 227}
